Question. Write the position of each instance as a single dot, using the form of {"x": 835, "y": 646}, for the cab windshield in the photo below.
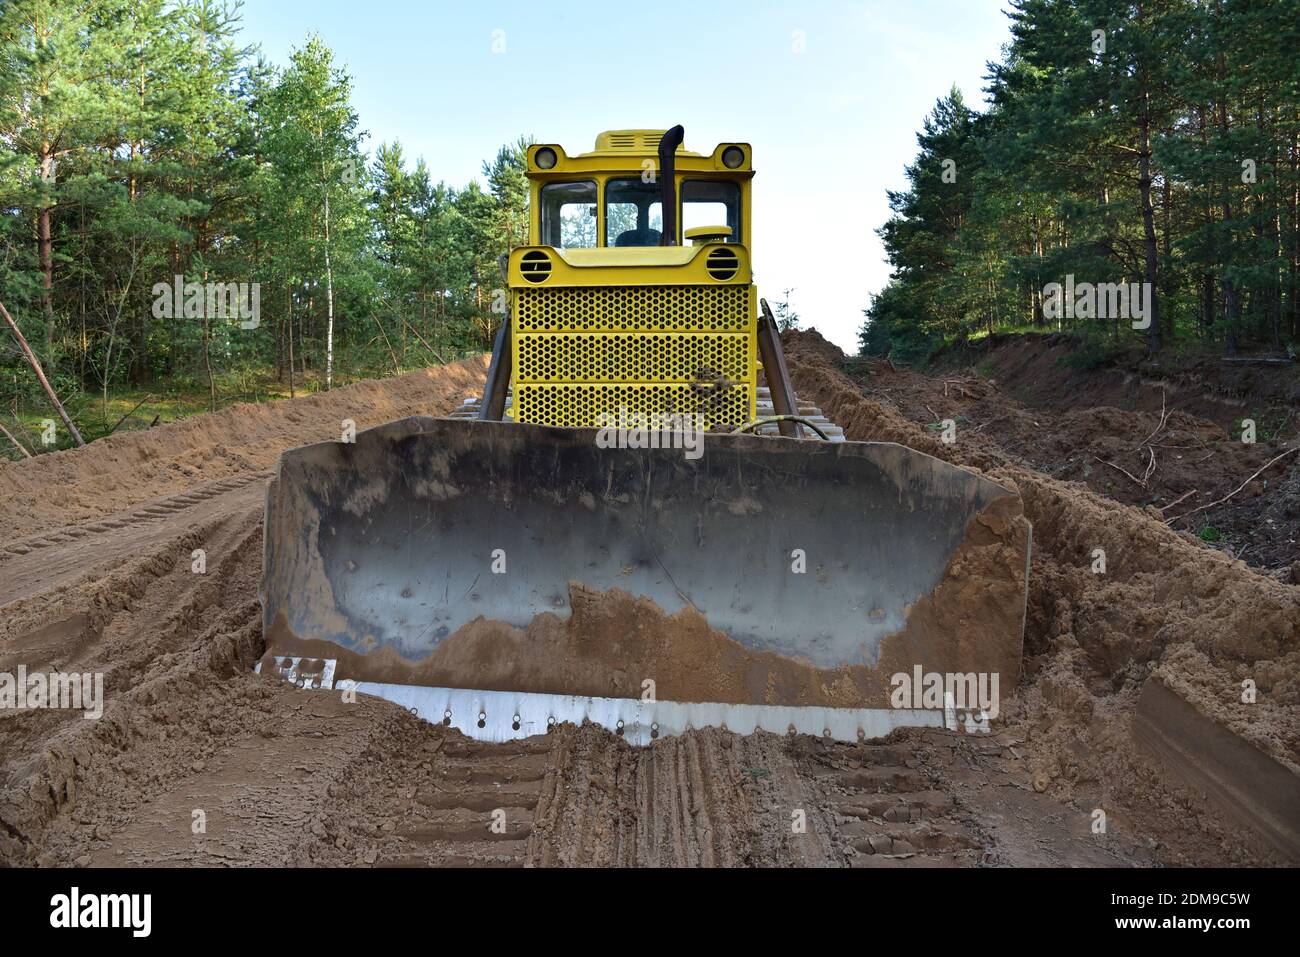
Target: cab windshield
{"x": 633, "y": 213}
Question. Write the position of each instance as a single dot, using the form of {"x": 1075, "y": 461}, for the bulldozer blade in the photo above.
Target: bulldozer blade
{"x": 459, "y": 556}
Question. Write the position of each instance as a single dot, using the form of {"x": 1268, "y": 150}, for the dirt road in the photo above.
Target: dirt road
{"x": 196, "y": 760}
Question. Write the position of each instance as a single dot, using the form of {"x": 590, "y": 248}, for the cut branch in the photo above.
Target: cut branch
{"x": 1136, "y": 480}
{"x": 40, "y": 375}
{"x": 1165, "y": 508}
{"x": 129, "y": 414}
{"x": 1263, "y": 468}
{"x": 1164, "y": 417}
{"x": 18, "y": 445}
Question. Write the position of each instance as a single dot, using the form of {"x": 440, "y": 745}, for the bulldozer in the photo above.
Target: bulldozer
{"x": 626, "y": 528}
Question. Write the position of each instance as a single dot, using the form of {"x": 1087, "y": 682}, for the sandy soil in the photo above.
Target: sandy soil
{"x": 1167, "y": 605}
{"x": 1167, "y": 436}
{"x": 96, "y": 575}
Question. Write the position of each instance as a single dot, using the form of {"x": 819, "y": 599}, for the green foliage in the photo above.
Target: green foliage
{"x": 1092, "y": 352}
{"x": 786, "y": 317}
{"x": 1113, "y": 157}
{"x": 889, "y": 331}
{"x": 140, "y": 141}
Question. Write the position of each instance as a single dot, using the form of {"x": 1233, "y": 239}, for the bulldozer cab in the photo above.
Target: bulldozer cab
{"x": 612, "y": 197}
{"x": 635, "y": 291}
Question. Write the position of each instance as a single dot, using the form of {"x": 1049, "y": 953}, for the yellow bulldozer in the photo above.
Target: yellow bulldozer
{"x": 625, "y": 529}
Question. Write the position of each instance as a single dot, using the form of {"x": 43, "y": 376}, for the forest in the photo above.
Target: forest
{"x": 1151, "y": 144}
{"x": 148, "y": 158}
{"x": 152, "y": 166}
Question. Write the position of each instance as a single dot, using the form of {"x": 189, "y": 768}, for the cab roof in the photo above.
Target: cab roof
{"x": 632, "y": 141}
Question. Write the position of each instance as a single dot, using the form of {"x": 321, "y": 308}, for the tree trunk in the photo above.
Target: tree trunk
{"x": 45, "y": 248}
{"x": 1232, "y": 304}
{"x": 329, "y": 300}
{"x": 1292, "y": 305}
{"x": 289, "y": 323}
{"x": 1148, "y": 222}
{"x": 1166, "y": 242}
{"x": 40, "y": 375}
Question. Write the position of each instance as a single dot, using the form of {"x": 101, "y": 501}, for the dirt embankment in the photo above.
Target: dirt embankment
{"x": 113, "y": 473}
{"x": 1165, "y": 606}
{"x": 1057, "y": 371}
{"x": 1172, "y": 442}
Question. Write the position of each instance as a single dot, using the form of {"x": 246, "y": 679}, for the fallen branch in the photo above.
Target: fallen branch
{"x": 1151, "y": 467}
{"x": 1118, "y": 469}
{"x": 397, "y": 368}
{"x": 1164, "y": 416}
{"x": 1165, "y": 508}
{"x": 1263, "y": 468}
{"x": 996, "y": 418}
{"x": 1257, "y": 360}
{"x": 40, "y": 375}
{"x": 436, "y": 354}
{"x": 18, "y": 445}
{"x": 129, "y": 414}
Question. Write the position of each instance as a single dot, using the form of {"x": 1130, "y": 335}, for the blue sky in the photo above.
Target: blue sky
{"x": 830, "y": 94}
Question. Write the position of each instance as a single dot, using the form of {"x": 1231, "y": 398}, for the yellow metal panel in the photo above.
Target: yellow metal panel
{"x": 644, "y": 142}
{"x": 614, "y": 257}
{"x": 543, "y": 267}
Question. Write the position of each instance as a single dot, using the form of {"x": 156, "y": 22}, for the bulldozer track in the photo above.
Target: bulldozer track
{"x": 154, "y": 511}
{"x": 42, "y": 562}
{"x": 888, "y": 813}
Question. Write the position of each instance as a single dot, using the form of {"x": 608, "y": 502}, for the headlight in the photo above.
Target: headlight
{"x": 545, "y": 158}
{"x": 733, "y": 157}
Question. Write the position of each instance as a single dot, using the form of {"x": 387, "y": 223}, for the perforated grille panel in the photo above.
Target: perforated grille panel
{"x": 579, "y": 405}
{"x": 633, "y": 308}
{"x": 581, "y": 351}
{"x": 633, "y": 357}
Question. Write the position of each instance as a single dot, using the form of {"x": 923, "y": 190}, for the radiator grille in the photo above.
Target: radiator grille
{"x": 579, "y": 405}
{"x": 633, "y": 309}
{"x": 581, "y": 351}
{"x": 633, "y": 357}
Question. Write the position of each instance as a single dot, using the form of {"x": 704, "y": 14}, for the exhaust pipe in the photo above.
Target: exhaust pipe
{"x": 668, "y": 183}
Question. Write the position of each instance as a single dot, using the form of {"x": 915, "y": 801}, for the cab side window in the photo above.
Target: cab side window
{"x": 569, "y": 215}
{"x": 711, "y": 203}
